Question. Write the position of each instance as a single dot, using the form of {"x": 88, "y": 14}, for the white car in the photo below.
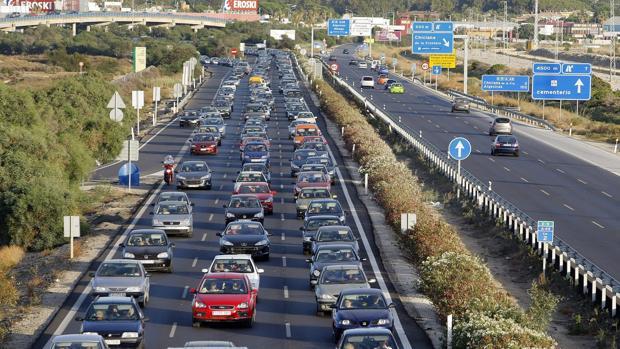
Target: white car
{"x": 363, "y": 65}
{"x": 236, "y": 263}
{"x": 367, "y": 82}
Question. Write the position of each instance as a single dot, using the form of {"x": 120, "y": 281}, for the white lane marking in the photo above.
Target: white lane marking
{"x": 284, "y": 261}
{"x": 281, "y": 186}
{"x": 281, "y": 174}
{"x": 287, "y": 327}
{"x": 476, "y": 127}
{"x": 282, "y": 201}
{"x": 598, "y": 225}
{"x": 173, "y": 330}
{"x": 217, "y": 200}
{"x": 478, "y": 151}
{"x": 492, "y": 160}
{"x": 185, "y": 290}
{"x": 568, "y": 207}
{"x": 582, "y": 181}
{"x": 283, "y": 237}
{"x": 285, "y": 292}
{"x": 225, "y": 175}
{"x": 221, "y": 187}
{"x": 195, "y": 262}
{"x": 557, "y": 169}
{"x": 210, "y": 217}
{"x": 437, "y": 125}
{"x": 506, "y": 168}
{"x": 228, "y": 164}
{"x": 524, "y": 152}
{"x": 466, "y": 122}
{"x": 542, "y": 162}
{"x": 606, "y": 194}
{"x": 525, "y": 180}
{"x": 282, "y": 217}
{"x": 204, "y": 237}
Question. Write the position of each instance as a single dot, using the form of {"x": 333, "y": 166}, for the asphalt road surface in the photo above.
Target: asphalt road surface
{"x": 544, "y": 182}
{"x": 286, "y": 308}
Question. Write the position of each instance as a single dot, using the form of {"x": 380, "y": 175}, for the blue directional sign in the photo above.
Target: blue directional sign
{"x": 443, "y": 27}
{"x": 576, "y": 68}
{"x": 459, "y": 148}
{"x": 422, "y": 26}
{"x": 546, "y": 68}
{"x": 562, "y": 87}
{"x": 436, "y": 70}
{"x": 544, "y": 231}
{"x": 506, "y": 83}
{"x": 338, "y": 27}
{"x": 432, "y": 37}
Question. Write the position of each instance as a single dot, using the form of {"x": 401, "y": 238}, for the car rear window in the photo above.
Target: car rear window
{"x": 367, "y": 78}
{"x": 506, "y": 139}
{"x": 502, "y": 120}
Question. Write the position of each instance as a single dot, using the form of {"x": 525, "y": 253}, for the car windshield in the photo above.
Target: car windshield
{"x": 194, "y": 167}
{"x": 379, "y": 341}
{"x": 335, "y": 255}
{"x": 319, "y": 160}
{"x": 76, "y": 344}
{"x": 254, "y": 189}
{"x": 314, "y": 194}
{"x": 314, "y": 146}
{"x": 172, "y": 197}
{"x": 244, "y": 202}
{"x": 108, "y": 269}
{"x": 250, "y": 177}
{"x": 213, "y": 121}
{"x": 335, "y": 235}
{"x": 147, "y": 239}
{"x": 314, "y": 224}
{"x": 502, "y": 120}
{"x": 223, "y": 286}
{"x": 397, "y": 85}
{"x": 310, "y": 177}
{"x": 112, "y": 312}
{"x": 222, "y": 265}
{"x": 362, "y": 301}
{"x": 255, "y": 147}
{"x": 303, "y": 155}
{"x": 203, "y": 138}
{"x": 506, "y": 139}
{"x": 169, "y": 209}
{"x": 342, "y": 276}
{"x": 460, "y": 100}
{"x": 244, "y": 229}
{"x": 329, "y": 207}
{"x": 307, "y": 131}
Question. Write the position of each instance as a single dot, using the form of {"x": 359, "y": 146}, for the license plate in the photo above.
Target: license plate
{"x": 221, "y": 312}
{"x": 203, "y": 149}
{"x": 113, "y": 341}
{"x": 117, "y": 294}
{"x": 193, "y": 185}
{"x": 147, "y": 262}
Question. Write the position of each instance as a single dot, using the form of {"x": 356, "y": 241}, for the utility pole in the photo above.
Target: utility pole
{"x": 555, "y": 25}
{"x": 505, "y": 43}
{"x": 612, "y": 32}
{"x": 535, "y": 46}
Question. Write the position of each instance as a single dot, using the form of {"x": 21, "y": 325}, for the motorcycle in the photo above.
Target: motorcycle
{"x": 168, "y": 170}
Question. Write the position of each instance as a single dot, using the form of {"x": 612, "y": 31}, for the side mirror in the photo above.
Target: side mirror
{"x": 172, "y": 244}
{"x": 334, "y": 196}
{"x": 204, "y": 271}
{"x": 79, "y": 318}
{"x": 312, "y": 238}
{"x": 392, "y": 305}
{"x": 151, "y": 213}
{"x": 189, "y": 140}
{"x": 224, "y": 206}
{"x": 314, "y": 282}
{"x": 147, "y": 275}
{"x": 192, "y": 291}
{"x": 308, "y": 260}
{"x": 268, "y": 234}
{"x": 153, "y": 204}
{"x": 333, "y": 306}
{"x": 218, "y": 234}
{"x": 254, "y": 291}
{"x": 273, "y": 192}
{"x": 191, "y": 204}
{"x": 121, "y": 245}
{"x": 91, "y": 274}
{"x": 372, "y": 281}
{"x": 260, "y": 271}
{"x": 234, "y": 180}
{"x": 301, "y": 228}
{"x": 364, "y": 259}
{"x": 146, "y": 319}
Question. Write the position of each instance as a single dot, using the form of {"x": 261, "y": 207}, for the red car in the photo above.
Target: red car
{"x": 203, "y": 143}
{"x": 224, "y": 297}
{"x": 311, "y": 179}
{"x": 261, "y": 190}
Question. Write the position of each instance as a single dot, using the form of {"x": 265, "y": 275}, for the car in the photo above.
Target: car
{"x": 299, "y": 158}
{"x": 396, "y": 88}
{"x": 245, "y": 237}
{"x": 294, "y": 124}
{"x": 335, "y": 234}
{"x": 68, "y": 341}
{"x": 225, "y": 108}
{"x": 362, "y": 65}
{"x": 304, "y": 130}
{"x": 248, "y": 176}
{"x": 193, "y": 174}
{"x": 224, "y": 297}
{"x": 306, "y": 116}
{"x": 330, "y": 207}
{"x": 121, "y": 277}
{"x": 460, "y": 104}
{"x": 325, "y": 161}
{"x": 151, "y": 247}
{"x": 209, "y": 109}
{"x": 237, "y": 263}
{"x": 257, "y": 167}
{"x": 244, "y": 206}
{"x": 189, "y": 118}
{"x": 294, "y": 109}
{"x": 318, "y": 146}
{"x": 375, "y": 64}
{"x": 212, "y": 130}
{"x": 212, "y": 344}
{"x": 331, "y": 254}
{"x": 257, "y": 109}
{"x": 383, "y": 70}
{"x": 500, "y": 125}
{"x": 389, "y": 83}
{"x": 308, "y": 194}
{"x": 311, "y": 179}
{"x": 361, "y": 308}
{"x": 382, "y": 79}
{"x": 367, "y": 338}
{"x": 310, "y": 227}
{"x": 216, "y": 121}
{"x": 173, "y": 196}
{"x": 203, "y": 143}
{"x": 293, "y": 95}
{"x": 331, "y": 59}
{"x": 336, "y": 278}
{"x": 117, "y": 319}
{"x": 173, "y": 217}
{"x": 505, "y": 144}
{"x": 262, "y": 192}
{"x": 353, "y": 62}
{"x": 255, "y": 152}
{"x": 367, "y": 82}
{"x": 249, "y": 138}
{"x": 345, "y": 51}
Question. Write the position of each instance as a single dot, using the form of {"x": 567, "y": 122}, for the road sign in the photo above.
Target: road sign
{"x": 71, "y": 226}
{"x": 577, "y": 68}
{"x": 177, "y": 92}
{"x": 334, "y": 67}
{"x": 137, "y": 99}
{"x": 338, "y": 27}
{"x": 233, "y": 51}
{"x": 361, "y": 26}
{"x": 544, "y": 231}
{"x": 432, "y": 37}
{"x": 116, "y": 101}
{"x": 156, "y": 94}
{"x": 425, "y": 66}
{"x": 436, "y": 70}
{"x": 546, "y": 68}
{"x": 562, "y": 87}
{"x": 443, "y": 27}
{"x": 129, "y": 152}
{"x": 445, "y": 61}
{"x": 459, "y": 148}
{"x": 506, "y": 83}
{"x": 394, "y": 61}
{"x": 369, "y": 41}
{"x": 116, "y": 115}
{"x": 422, "y": 26}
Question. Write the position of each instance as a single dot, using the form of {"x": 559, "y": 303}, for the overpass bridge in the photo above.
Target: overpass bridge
{"x": 89, "y": 19}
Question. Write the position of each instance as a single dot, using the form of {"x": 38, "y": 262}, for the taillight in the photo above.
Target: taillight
{"x": 497, "y": 145}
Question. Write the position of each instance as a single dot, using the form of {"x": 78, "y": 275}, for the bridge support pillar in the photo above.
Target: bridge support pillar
{"x": 74, "y": 29}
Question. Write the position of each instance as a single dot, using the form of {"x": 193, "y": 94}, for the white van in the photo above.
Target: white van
{"x": 367, "y": 82}
{"x": 363, "y": 65}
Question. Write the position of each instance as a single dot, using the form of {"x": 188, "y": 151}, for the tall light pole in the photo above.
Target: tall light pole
{"x": 535, "y": 24}
{"x": 612, "y": 32}
{"x": 504, "y": 24}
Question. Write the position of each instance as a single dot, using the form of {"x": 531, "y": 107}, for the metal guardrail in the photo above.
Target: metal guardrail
{"x": 128, "y": 15}
{"x": 582, "y": 272}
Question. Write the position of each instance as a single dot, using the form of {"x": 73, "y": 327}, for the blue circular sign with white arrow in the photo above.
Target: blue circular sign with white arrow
{"x": 459, "y": 148}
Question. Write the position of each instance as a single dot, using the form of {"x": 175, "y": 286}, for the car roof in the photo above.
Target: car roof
{"x": 325, "y": 199}
{"x": 365, "y": 290}
{"x": 246, "y": 184}
{"x": 77, "y": 337}
{"x": 224, "y": 275}
{"x": 243, "y": 196}
{"x": 343, "y": 266}
{"x": 250, "y": 172}
{"x": 367, "y": 330}
{"x": 124, "y": 261}
{"x": 143, "y": 231}
{"x": 335, "y": 227}
{"x": 233, "y": 256}
{"x": 322, "y": 216}
{"x": 172, "y": 202}
{"x": 194, "y": 162}
{"x": 314, "y": 188}
{"x": 331, "y": 246}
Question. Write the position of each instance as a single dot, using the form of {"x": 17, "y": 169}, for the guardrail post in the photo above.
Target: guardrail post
{"x": 576, "y": 279}
{"x": 586, "y": 274}
{"x": 521, "y": 230}
{"x": 527, "y": 234}
{"x": 568, "y": 263}
{"x": 603, "y": 297}
{"x": 594, "y": 281}
{"x": 561, "y": 256}
{"x": 553, "y": 256}
{"x": 614, "y": 300}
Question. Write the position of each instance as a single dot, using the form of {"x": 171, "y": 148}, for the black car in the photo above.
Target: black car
{"x": 117, "y": 319}
{"x": 189, "y": 118}
{"x": 149, "y": 246}
{"x": 193, "y": 174}
{"x": 330, "y": 254}
{"x": 505, "y": 144}
{"x": 245, "y": 237}
{"x": 361, "y": 308}
{"x": 310, "y": 227}
{"x": 330, "y": 207}
{"x": 353, "y": 62}
{"x": 244, "y": 206}
{"x": 345, "y": 51}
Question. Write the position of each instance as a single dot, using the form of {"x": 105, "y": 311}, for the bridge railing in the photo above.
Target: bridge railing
{"x": 114, "y": 14}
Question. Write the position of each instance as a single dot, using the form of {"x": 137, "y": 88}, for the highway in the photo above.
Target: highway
{"x": 286, "y": 308}
{"x": 544, "y": 182}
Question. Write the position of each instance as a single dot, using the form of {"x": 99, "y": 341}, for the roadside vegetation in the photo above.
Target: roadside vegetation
{"x": 457, "y": 282}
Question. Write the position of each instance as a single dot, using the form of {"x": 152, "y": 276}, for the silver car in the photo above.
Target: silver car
{"x": 308, "y": 194}
{"x": 335, "y": 234}
{"x": 500, "y": 125}
{"x": 193, "y": 174}
{"x": 217, "y": 122}
{"x": 173, "y": 217}
{"x": 335, "y": 278}
{"x": 122, "y": 278}
{"x": 172, "y": 196}
{"x": 90, "y": 341}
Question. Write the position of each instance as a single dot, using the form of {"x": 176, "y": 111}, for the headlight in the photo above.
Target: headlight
{"x": 293, "y": 165}
{"x": 269, "y": 200}
{"x": 130, "y": 335}
{"x": 227, "y": 243}
{"x": 243, "y": 305}
{"x": 157, "y": 221}
{"x": 199, "y": 304}
{"x": 93, "y": 333}
{"x": 327, "y": 296}
{"x": 383, "y": 322}
{"x": 128, "y": 255}
{"x": 230, "y": 215}
{"x": 99, "y": 289}
{"x": 206, "y": 177}
{"x": 316, "y": 272}
{"x": 307, "y": 238}
{"x": 345, "y": 322}
{"x": 262, "y": 243}
{"x": 181, "y": 177}
{"x": 163, "y": 255}
{"x": 134, "y": 288}
{"x": 258, "y": 215}
{"x": 185, "y": 222}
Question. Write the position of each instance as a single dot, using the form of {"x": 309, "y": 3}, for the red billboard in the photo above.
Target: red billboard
{"x": 241, "y": 5}
{"x": 33, "y": 5}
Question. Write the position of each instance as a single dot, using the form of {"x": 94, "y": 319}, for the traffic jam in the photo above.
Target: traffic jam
{"x": 229, "y": 290}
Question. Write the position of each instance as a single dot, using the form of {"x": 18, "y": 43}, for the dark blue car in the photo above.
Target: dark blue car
{"x": 361, "y": 308}
{"x": 255, "y": 152}
{"x": 119, "y": 320}
{"x": 383, "y": 70}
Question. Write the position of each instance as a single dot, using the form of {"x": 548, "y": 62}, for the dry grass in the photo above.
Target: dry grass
{"x": 9, "y": 257}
